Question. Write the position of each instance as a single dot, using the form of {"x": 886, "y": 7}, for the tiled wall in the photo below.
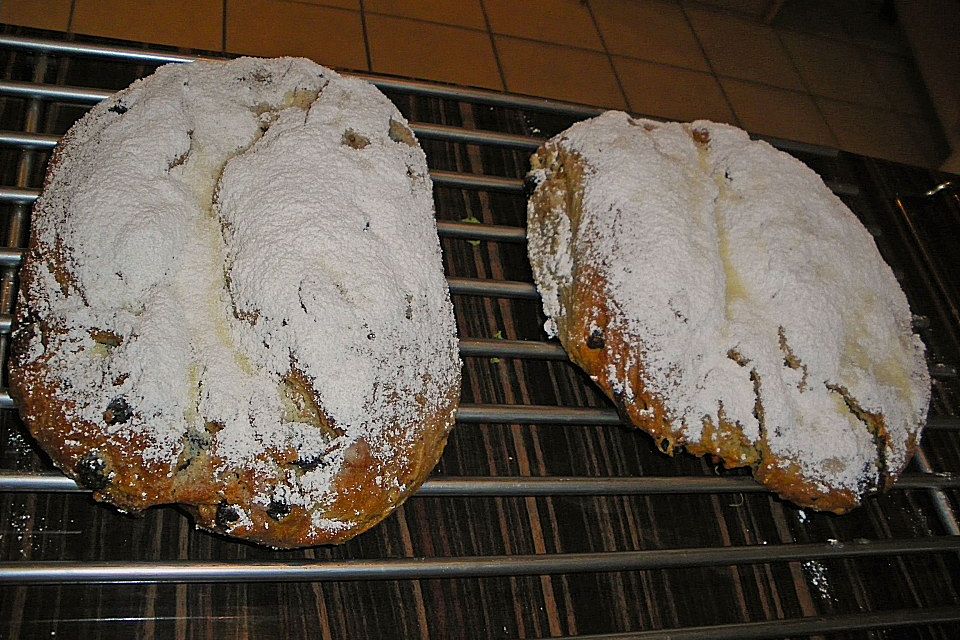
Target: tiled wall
{"x": 830, "y": 72}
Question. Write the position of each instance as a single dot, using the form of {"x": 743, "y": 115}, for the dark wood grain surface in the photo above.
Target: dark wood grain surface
{"x": 919, "y": 240}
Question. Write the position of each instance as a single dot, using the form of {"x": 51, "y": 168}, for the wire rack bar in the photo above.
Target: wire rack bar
{"x": 486, "y": 486}
{"x": 547, "y": 414}
{"x": 842, "y": 188}
{"x": 495, "y": 348}
{"x": 18, "y": 195}
{"x": 82, "y": 95}
{"x": 425, "y": 130}
{"x": 535, "y": 414}
{"x": 428, "y": 130}
{"x": 442, "y": 132}
{"x": 940, "y": 501}
{"x": 476, "y": 136}
{"x": 529, "y": 349}
{"x": 28, "y": 140}
{"x": 494, "y": 288}
{"x": 943, "y": 371}
{"x": 474, "y": 231}
{"x": 87, "y": 572}
{"x": 540, "y": 350}
{"x": 10, "y": 257}
{"x": 813, "y": 625}
{"x": 87, "y": 95}
{"x": 490, "y": 347}
{"x": 439, "y": 177}
{"x": 475, "y": 181}
{"x": 469, "y": 413}
{"x": 421, "y": 129}
{"x": 130, "y": 54}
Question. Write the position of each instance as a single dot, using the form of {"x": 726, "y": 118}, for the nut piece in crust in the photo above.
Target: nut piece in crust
{"x": 728, "y": 303}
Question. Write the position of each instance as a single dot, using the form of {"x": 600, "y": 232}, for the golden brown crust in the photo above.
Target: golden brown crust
{"x": 360, "y": 500}
{"x": 71, "y": 444}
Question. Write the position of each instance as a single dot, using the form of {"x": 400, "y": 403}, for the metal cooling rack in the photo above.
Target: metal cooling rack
{"x": 18, "y": 197}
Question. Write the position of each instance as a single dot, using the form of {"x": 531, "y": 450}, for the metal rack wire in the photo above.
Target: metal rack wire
{"x": 19, "y": 197}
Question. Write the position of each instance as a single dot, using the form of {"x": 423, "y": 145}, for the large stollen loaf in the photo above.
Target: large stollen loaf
{"x": 234, "y": 300}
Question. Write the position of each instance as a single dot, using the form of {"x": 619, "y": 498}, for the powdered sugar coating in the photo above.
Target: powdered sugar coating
{"x": 263, "y": 219}
{"x": 724, "y": 261}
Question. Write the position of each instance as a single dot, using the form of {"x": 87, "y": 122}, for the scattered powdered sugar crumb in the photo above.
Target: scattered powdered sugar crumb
{"x": 730, "y": 260}
{"x": 264, "y": 219}
{"x": 816, "y": 574}
{"x": 329, "y": 525}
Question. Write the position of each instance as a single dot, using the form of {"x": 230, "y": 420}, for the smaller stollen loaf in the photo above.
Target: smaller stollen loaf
{"x": 729, "y": 304}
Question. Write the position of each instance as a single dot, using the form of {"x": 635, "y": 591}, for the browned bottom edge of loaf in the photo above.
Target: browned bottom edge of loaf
{"x": 360, "y": 500}
{"x": 135, "y": 485}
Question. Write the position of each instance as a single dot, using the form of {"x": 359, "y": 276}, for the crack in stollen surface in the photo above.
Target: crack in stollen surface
{"x": 874, "y": 424}
{"x": 791, "y": 360}
{"x": 195, "y": 443}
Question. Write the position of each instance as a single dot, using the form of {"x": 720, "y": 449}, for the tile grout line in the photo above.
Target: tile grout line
{"x": 860, "y": 44}
{"x": 440, "y": 23}
{"x": 613, "y": 67}
{"x": 810, "y": 94}
{"x": 656, "y": 62}
{"x": 321, "y": 4}
{"x": 493, "y": 44}
{"x": 70, "y": 18}
{"x": 713, "y": 71}
{"x": 366, "y": 37}
{"x": 223, "y": 28}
